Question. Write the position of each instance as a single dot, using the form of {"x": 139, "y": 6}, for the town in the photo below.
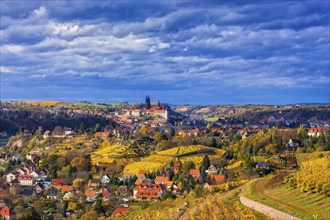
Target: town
{"x": 89, "y": 161}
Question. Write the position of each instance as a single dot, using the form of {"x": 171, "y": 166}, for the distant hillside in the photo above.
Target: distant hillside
{"x": 319, "y": 112}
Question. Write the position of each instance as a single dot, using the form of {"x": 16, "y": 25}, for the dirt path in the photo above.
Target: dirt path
{"x": 261, "y": 192}
{"x": 266, "y": 210}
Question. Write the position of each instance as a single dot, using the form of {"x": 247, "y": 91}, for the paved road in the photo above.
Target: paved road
{"x": 266, "y": 210}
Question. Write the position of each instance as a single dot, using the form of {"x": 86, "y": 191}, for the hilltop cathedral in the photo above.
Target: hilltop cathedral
{"x": 160, "y": 110}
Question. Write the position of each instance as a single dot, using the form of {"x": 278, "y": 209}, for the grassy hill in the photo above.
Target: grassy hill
{"x": 194, "y": 153}
{"x": 201, "y": 205}
{"x": 302, "y": 157}
{"x": 273, "y": 192}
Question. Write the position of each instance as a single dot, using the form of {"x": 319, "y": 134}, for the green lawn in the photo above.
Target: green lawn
{"x": 213, "y": 119}
{"x": 286, "y": 199}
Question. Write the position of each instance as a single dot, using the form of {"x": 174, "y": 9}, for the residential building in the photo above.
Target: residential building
{"x": 105, "y": 179}
{"x": 215, "y": 179}
{"x": 95, "y": 183}
{"x": 195, "y": 173}
{"x": 67, "y": 188}
{"x": 7, "y": 214}
{"x": 161, "y": 179}
{"x": 47, "y": 134}
{"x": 294, "y": 143}
{"x": 25, "y": 180}
{"x": 11, "y": 176}
{"x": 58, "y": 182}
{"x": 211, "y": 170}
{"x": 52, "y": 194}
{"x": 90, "y": 195}
{"x": 314, "y": 132}
{"x": 144, "y": 192}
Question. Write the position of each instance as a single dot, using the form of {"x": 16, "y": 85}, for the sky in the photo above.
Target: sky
{"x": 178, "y": 52}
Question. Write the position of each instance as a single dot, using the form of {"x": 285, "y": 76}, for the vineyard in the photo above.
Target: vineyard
{"x": 273, "y": 192}
{"x": 191, "y": 150}
{"x": 115, "y": 151}
{"x": 135, "y": 167}
{"x": 314, "y": 176}
{"x": 212, "y": 206}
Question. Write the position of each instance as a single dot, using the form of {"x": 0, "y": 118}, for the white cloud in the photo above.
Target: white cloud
{"x": 4, "y": 69}
{"x": 12, "y": 48}
{"x": 40, "y": 12}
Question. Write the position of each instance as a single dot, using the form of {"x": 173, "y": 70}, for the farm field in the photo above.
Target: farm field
{"x": 271, "y": 192}
{"x": 212, "y": 119}
{"x": 42, "y": 103}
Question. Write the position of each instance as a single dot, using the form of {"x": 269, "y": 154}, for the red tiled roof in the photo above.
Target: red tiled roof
{"x": 159, "y": 111}
{"x": 314, "y": 130}
{"x": 148, "y": 191}
{"x": 6, "y": 213}
{"x": 168, "y": 183}
{"x": 138, "y": 181}
{"x": 58, "y": 182}
{"x": 161, "y": 179}
{"x": 67, "y": 188}
{"x": 143, "y": 171}
{"x": 90, "y": 193}
{"x": 216, "y": 179}
{"x": 155, "y": 107}
{"x": 105, "y": 192}
{"x": 194, "y": 172}
{"x": 25, "y": 177}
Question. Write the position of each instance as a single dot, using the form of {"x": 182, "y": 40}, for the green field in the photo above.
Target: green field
{"x": 213, "y": 119}
{"x": 271, "y": 192}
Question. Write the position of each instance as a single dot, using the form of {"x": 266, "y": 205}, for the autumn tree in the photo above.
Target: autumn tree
{"x": 58, "y": 130}
{"x": 97, "y": 127}
{"x": 91, "y": 214}
{"x": 98, "y": 206}
{"x": 79, "y": 163}
{"x": 78, "y": 183}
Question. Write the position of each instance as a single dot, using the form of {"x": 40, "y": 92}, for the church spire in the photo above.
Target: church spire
{"x": 158, "y": 105}
{"x": 147, "y": 104}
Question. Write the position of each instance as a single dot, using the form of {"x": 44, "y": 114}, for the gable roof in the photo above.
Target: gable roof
{"x": 90, "y": 193}
{"x": 5, "y": 211}
{"x": 25, "y": 177}
{"x": 143, "y": 171}
{"x": 194, "y": 172}
{"x": 52, "y": 192}
{"x": 161, "y": 179}
{"x": 57, "y": 181}
{"x": 67, "y": 188}
{"x": 150, "y": 191}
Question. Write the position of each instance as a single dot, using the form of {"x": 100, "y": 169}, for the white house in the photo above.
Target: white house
{"x": 11, "y": 176}
{"x": 294, "y": 143}
{"x": 36, "y": 175}
{"x": 25, "y": 180}
{"x": 105, "y": 179}
{"x": 211, "y": 170}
